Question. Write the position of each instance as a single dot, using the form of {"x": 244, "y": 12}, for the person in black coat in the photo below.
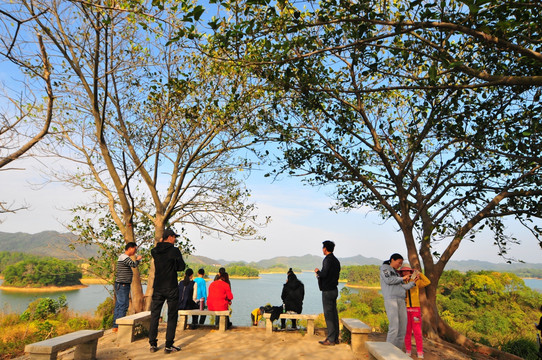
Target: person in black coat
{"x": 187, "y": 295}
{"x": 293, "y": 293}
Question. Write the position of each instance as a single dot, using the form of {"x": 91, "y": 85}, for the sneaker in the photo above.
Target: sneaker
{"x": 153, "y": 349}
{"x": 420, "y": 356}
{"x": 408, "y": 353}
{"x": 172, "y": 349}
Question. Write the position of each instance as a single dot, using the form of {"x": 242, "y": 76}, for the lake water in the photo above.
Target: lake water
{"x": 535, "y": 284}
{"x": 248, "y": 295}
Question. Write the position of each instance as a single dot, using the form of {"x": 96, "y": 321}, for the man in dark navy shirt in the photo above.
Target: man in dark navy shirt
{"x": 328, "y": 279}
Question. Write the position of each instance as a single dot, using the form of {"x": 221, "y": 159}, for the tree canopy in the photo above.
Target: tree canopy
{"x": 426, "y": 112}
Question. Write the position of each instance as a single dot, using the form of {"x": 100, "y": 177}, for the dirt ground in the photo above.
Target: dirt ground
{"x": 250, "y": 343}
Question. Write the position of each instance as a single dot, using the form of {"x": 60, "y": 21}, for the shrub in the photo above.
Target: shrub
{"x": 78, "y": 324}
{"x": 346, "y": 336}
{"x": 46, "y": 330}
{"x": 524, "y": 348}
{"x": 105, "y": 310}
{"x": 44, "y": 308}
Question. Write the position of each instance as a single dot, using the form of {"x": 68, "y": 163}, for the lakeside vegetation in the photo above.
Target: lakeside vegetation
{"x": 361, "y": 275}
{"x": 42, "y": 272}
{"x": 492, "y": 308}
{"x": 233, "y": 270}
{"x": 44, "y": 318}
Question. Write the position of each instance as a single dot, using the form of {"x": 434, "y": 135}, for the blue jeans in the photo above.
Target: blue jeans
{"x": 329, "y": 302}
{"x": 122, "y": 291}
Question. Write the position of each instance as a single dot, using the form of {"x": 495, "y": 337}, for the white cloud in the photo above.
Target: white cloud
{"x": 300, "y": 222}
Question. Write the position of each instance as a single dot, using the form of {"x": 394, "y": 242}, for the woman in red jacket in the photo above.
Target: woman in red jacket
{"x": 220, "y": 296}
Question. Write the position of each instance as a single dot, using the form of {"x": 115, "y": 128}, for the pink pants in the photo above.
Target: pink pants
{"x": 414, "y": 325}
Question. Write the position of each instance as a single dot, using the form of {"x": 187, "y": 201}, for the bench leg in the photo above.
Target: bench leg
{"x": 268, "y": 326}
{"x": 358, "y": 343}
{"x": 310, "y": 327}
{"x": 51, "y": 356}
{"x": 125, "y": 334}
{"x": 86, "y": 351}
{"x": 182, "y": 322}
{"x": 222, "y": 323}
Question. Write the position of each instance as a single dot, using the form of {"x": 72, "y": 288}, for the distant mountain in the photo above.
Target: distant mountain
{"x": 46, "y": 243}
{"x": 305, "y": 262}
{"x": 202, "y": 260}
{"x": 360, "y": 260}
{"x": 55, "y": 244}
{"x": 309, "y": 262}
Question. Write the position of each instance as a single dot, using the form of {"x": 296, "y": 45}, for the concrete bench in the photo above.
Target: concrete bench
{"x": 379, "y": 350}
{"x": 310, "y": 321}
{"x": 359, "y": 334}
{"x": 85, "y": 342}
{"x": 127, "y": 325}
{"x": 183, "y": 314}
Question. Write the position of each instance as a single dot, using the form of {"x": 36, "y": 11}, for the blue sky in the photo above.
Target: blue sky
{"x": 300, "y": 221}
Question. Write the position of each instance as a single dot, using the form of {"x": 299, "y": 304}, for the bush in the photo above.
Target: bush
{"x": 46, "y": 330}
{"x": 44, "y": 308}
{"x": 78, "y": 324}
{"x": 105, "y": 310}
{"x": 524, "y": 348}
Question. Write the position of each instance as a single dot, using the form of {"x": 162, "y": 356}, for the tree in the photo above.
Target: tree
{"x": 25, "y": 120}
{"x": 428, "y": 113}
{"x": 152, "y": 127}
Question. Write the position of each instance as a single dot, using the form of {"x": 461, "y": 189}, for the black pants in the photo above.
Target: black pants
{"x": 201, "y": 319}
{"x": 158, "y": 298}
{"x": 283, "y": 323}
{"x": 329, "y": 302}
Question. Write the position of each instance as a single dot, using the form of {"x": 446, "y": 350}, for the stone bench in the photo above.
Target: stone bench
{"x": 85, "y": 342}
{"x": 310, "y": 321}
{"x": 128, "y": 323}
{"x": 359, "y": 334}
{"x": 183, "y": 314}
{"x": 379, "y": 350}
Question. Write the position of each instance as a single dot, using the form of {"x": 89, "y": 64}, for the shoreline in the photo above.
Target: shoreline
{"x": 212, "y": 275}
{"x": 362, "y": 286}
{"x": 42, "y": 289}
{"x": 93, "y": 281}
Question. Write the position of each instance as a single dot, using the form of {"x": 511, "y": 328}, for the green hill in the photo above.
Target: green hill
{"x": 46, "y": 243}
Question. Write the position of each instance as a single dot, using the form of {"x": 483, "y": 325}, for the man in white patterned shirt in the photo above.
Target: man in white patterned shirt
{"x": 123, "y": 281}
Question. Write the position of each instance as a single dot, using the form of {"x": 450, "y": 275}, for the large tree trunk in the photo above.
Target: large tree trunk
{"x": 435, "y": 328}
{"x": 137, "y": 304}
{"x": 138, "y": 301}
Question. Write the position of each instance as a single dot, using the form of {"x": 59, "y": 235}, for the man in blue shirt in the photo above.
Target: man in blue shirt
{"x": 201, "y": 295}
